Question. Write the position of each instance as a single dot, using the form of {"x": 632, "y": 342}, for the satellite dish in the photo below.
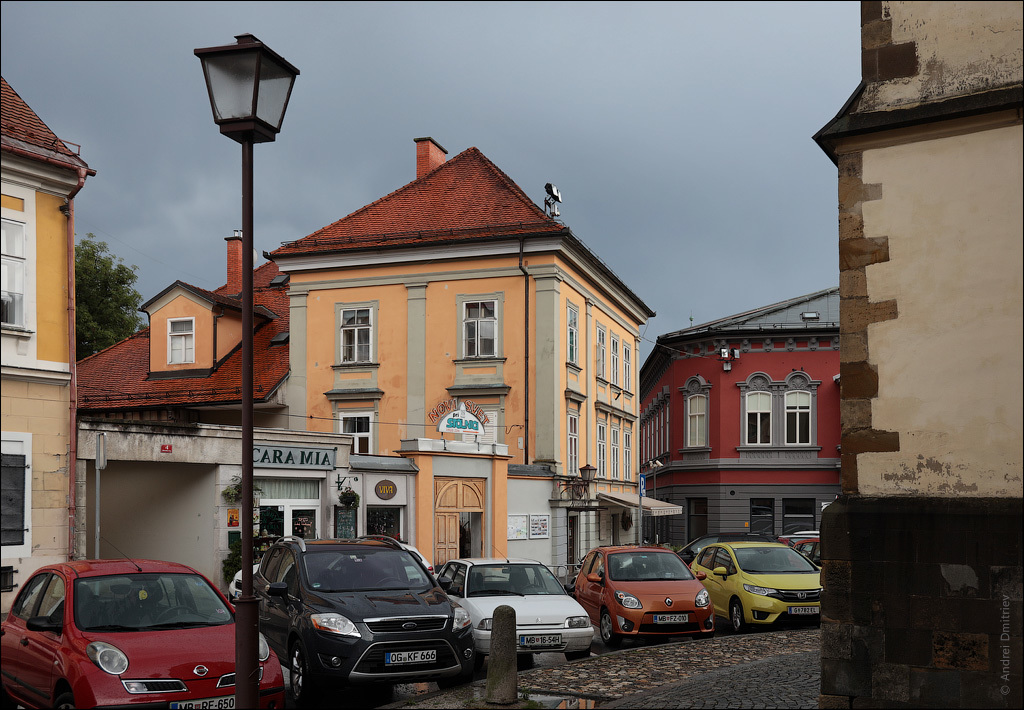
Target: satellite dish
{"x": 553, "y": 191}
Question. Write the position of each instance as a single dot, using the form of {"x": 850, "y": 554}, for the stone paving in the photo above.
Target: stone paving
{"x": 761, "y": 669}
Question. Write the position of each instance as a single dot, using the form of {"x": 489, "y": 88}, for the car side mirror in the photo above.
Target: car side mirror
{"x": 445, "y": 583}
{"x": 570, "y": 589}
{"x": 701, "y": 576}
{"x": 722, "y": 571}
{"x": 278, "y": 589}
{"x": 595, "y": 577}
{"x": 44, "y": 623}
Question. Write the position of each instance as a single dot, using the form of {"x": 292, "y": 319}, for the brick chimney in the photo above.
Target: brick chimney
{"x": 429, "y": 155}
{"x": 234, "y": 284}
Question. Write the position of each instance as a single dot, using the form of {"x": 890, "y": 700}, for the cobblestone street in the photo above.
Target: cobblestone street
{"x": 760, "y": 669}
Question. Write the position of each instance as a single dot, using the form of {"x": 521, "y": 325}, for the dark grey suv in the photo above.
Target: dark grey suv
{"x": 359, "y": 611}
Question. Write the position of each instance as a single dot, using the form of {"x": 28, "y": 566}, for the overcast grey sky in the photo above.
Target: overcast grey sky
{"x": 678, "y": 133}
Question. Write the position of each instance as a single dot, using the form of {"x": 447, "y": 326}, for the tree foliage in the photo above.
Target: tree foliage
{"x": 106, "y": 302}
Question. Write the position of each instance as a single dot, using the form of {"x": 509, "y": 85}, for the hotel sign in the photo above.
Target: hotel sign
{"x": 293, "y": 457}
{"x": 461, "y": 420}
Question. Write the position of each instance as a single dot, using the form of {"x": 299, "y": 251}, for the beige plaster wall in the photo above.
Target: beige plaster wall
{"x": 964, "y": 48}
{"x": 949, "y": 365}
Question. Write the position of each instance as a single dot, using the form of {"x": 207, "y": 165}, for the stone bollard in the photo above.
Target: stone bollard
{"x": 502, "y": 672}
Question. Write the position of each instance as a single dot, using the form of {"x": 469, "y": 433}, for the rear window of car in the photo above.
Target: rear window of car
{"x": 647, "y": 567}
{"x": 364, "y": 569}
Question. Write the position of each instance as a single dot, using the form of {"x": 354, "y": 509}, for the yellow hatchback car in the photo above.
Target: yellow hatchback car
{"x": 759, "y": 583}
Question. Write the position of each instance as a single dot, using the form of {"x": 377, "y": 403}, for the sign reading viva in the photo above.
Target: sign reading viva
{"x": 459, "y": 421}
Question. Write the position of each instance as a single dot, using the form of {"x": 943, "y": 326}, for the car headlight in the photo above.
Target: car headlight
{"x": 109, "y": 659}
{"x": 577, "y": 622}
{"x": 334, "y": 624}
{"x": 628, "y": 600}
{"x": 264, "y": 649}
{"x": 485, "y": 624}
{"x": 703, "y": 599}
{"x": 461, "y": 619}
{"x": 763, "y": 591}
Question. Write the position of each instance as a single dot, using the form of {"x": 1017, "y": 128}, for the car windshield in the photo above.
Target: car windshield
{"x": 134, "y": 602}
{"x": 647, "y": 567}
{"x": 511, "y": 579}
{"x": 362, "y": 570}
{"x": 772, "y": 560}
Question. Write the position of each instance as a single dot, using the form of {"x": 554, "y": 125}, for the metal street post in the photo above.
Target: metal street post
{"x": 249, "y": 86}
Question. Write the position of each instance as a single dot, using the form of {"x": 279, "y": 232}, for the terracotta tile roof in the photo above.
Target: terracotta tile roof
{"x": 466, "y": 198}
{"x": 24, "y": 132}
{"x": 118, "y": 378}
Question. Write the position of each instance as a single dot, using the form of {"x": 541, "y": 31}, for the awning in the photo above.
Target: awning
{"x": 651, "y": 506}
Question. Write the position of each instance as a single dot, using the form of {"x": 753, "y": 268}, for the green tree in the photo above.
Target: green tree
{"x": 106, "y": 302}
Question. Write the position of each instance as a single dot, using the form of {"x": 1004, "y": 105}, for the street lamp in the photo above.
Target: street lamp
{"x": 249, "y": 86}
{"x": 580, "y": 488}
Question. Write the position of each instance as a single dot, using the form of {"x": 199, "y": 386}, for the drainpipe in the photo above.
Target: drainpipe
{"x": 526, "y": 353}
{"x": 73, "y": 367}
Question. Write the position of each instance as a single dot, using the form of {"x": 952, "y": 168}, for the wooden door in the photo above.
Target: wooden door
{"x": 451, "y": 497}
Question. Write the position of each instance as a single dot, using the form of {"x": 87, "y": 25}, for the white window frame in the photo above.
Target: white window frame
{"x": 15, "y": 272}
{"x": 615, "y": 452}
{"x": 615, "y": 360}
{"x": 354, "y": 331}
{"x": 187, "y": 337}
{"x": 572, "y": 334}
{"x": 368, "y": 436}
{"x": 20, "y": 444}
{"x": 572, "y": 454}
{"x": 761, "y": 429}
{"x": 602, "y": 451}
{"x": 627, "y": 452}
{"x": 476, "y": 340}
{"x": 600, "y": 355}
{"x": 627, "y": 367}
{"x": 696, "y": 421}
{"x": 800, "y": 410}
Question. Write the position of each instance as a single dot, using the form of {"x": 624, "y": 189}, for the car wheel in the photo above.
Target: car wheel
{"x": 736, "y": 616}
{"x": 65, "y": 700}
{"x": 577, "y": 655}
{"x": 303, "y": 688}
{"x": 608, "y": 635}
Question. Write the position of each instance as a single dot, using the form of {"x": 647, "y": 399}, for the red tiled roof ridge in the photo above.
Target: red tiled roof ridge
{"x": 472, "y": 153}
{"x": 22, "y": 123}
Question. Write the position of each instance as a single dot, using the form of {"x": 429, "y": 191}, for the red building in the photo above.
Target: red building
{"x": 740, "y": 421}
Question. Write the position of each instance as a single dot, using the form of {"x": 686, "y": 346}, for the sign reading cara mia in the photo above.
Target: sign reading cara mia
{"x": 292, "y": 457}
{"x": 461, "y": 421}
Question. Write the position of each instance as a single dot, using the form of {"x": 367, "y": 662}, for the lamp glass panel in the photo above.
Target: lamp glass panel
{"x": 275, "y": 82}
{"x": 232, "y": 80}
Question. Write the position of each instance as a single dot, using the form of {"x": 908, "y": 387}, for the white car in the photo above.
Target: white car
{"x": 235, "y": 588}
{"x": 547, "y": 618}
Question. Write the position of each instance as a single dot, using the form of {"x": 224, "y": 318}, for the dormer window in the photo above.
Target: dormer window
{"x": 181, "y": 341}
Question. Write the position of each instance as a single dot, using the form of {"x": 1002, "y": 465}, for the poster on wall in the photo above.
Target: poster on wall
{"x": 232, "y": 517}
{"x": 517, "y": 529}
{"x": 539, "y": 526}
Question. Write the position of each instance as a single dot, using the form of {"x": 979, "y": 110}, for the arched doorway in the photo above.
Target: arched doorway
{"x": 458, "y": 518}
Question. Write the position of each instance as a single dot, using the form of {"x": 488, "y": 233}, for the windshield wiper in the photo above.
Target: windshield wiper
{"x": 111, "y": 627}
{"x": 179, "y": 625}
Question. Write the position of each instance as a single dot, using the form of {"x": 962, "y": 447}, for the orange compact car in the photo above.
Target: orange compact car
{"x": 648, "y": 592}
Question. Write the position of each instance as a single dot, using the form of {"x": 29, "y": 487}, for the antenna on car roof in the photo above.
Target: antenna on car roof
{"x": 120, "y": 553}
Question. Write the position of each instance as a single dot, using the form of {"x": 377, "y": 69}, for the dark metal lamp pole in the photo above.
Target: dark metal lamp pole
{"x": 249, "y": 87}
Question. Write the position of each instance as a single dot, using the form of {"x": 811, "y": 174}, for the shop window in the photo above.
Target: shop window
{"x": 384, "y": 520}
{"x": 797, "y": 515}
{"x": 762, "y": 516}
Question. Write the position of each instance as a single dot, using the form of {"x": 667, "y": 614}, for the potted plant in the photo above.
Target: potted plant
{"x": 232, "y": 492}
{"x": 348, "y": 498}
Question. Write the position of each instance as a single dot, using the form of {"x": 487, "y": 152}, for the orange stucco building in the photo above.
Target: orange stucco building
{"x": 457, "y": 300}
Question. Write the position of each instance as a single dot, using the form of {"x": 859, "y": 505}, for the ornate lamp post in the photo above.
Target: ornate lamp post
{"x": 580, "y": 488}
{"x": 249, "y": 87}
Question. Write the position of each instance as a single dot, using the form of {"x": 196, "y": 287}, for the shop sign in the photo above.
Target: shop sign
{"x": 292, "y": 457}
{"x": 461, "y": 421}
{"x": 452, "y": 405}
{"x": 385, "y": 489}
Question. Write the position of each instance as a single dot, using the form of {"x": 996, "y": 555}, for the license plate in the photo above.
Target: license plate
{"x": 401, "y": 658}
{"x": 804, "y": 610}
{"x": 540, "y": 641}
{"x": 671, "y": 618}
{"x": 224, "y": 703}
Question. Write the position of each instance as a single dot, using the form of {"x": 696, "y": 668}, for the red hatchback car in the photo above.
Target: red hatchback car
{"x": 643, "y": 591}
{"x": 123, "y": 632}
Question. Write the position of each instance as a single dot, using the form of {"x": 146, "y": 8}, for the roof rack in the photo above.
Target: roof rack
{"x": 294, "y": 538}
{"x": 383, "y": 538}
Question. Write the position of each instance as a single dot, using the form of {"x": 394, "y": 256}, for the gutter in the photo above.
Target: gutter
{"x": 526, "y": 353}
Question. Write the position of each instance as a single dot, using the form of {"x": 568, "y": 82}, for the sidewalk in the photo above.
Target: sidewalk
{"x": 761, "y": 669}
